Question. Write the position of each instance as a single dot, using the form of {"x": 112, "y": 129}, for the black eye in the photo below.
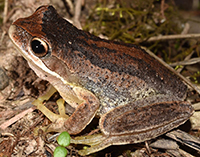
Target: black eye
{"x": 39, "y": 47}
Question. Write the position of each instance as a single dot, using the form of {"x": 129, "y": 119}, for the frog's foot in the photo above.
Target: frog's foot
{"x": 58, "y": 119}
{"x": 96, "y": 143}
{"x": 99, "y": 142}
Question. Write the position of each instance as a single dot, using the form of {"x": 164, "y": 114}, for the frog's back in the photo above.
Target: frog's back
{"x": 124, "y": 71}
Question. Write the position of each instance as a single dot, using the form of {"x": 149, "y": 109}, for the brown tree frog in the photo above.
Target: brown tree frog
{"x": 135, "y": 97}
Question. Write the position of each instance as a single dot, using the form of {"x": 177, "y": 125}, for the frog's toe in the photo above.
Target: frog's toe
{"x": 57, "y": 126}
{"x": 86, "y": 151}
{"x": 36, "y": 130}
{"x": 102, "y": 144}
{"x": 96, "y": 142}
{"x": 61, "y": 108}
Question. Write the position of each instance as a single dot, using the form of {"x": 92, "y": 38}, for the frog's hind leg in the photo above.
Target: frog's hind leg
{"x": 156, "y": 118}
{"x": 99, "y": 142}
{"x": 131, "y": 124}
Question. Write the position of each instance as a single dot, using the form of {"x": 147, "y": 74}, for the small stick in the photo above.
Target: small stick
{"x": 186, "y": 62}
{"x": 77, "y": 14}
{"x": 16, "y": 118}
{"x": 186, "y": 59}
{"x": 5, "y": 11}
{"x": 171, "y": 37}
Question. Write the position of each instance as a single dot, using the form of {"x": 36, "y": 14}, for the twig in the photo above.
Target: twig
{"x": 77, "y": 14}
{"x": 186, "y": 28}
{"x": 186, "y": 59}
{"x": 185, "y": 139}
{"x": 4, "y": 20}
{"x": 171, "y": 37}
{"x": 2, "y": 37}
{"x": 69, "y": 6}
{"x": 186, "y": 62}
{"x": 196, "y": 106}
{"x": 16, "y": 118}
{"x": 147, "y": 147}
{"x": 5, "y": 11}
{"x": 162, "y": 9}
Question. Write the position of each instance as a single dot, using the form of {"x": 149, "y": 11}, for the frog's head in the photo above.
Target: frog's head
{"x": 39, "y": 38}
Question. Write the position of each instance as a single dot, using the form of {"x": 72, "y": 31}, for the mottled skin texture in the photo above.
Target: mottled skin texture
{"x": 125, "y": 85}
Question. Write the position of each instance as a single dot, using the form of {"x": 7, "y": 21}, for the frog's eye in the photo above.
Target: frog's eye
{"x": 39, "y": 47}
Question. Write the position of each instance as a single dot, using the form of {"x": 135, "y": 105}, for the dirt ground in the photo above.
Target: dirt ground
{"x": 19, "y": 86}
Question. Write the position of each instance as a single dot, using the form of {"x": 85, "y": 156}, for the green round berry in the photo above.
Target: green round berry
{"x": 64, "y": 139}
{"x": 60, "y": 152}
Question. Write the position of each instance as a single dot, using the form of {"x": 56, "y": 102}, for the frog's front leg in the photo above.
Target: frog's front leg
{"x": 131, "y": 124}
{"x": 40, "y": 106}
{"x": 82, "y": 115}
